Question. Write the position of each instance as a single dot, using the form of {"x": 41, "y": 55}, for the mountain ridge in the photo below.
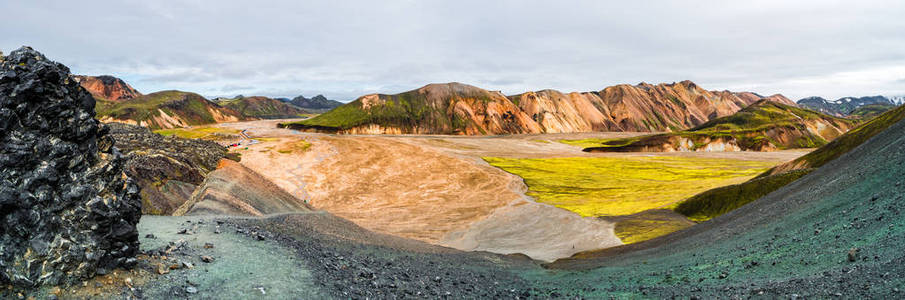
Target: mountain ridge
{"x": 763, "y": 126}
{"x": 846, "y": 106}
{"x": 456, "y": 108}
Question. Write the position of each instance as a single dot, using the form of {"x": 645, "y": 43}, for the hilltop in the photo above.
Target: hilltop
{"x": 263, "y": 107}
{"x": 762, "y": 126}
{"x": 318, "y": 102}
{"x": 456, "y": 108}
{"x": 106, "y": 87}
{"x": 166, "y": 109}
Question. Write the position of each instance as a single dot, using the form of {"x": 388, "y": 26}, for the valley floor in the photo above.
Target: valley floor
{"x": 837, "y": 232}
{"x": 440, "y": 189}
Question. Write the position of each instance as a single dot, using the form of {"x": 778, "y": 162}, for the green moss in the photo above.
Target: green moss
{"x": 849, "y": 140}
{"x": 718, "y": 201}
{"x": 748, "y": 128}
{"x": 206, "y": 133}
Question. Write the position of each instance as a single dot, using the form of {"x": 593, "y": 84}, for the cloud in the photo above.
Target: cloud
{"x": 232, "y": 88}
{"x": 344, "y": 49}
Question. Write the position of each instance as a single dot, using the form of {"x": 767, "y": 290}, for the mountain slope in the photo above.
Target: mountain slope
{"x": 762, "y": 126}
{"x": 452, "y": 108}
{"x": 456, "y": 108}
{"x": 318, "y": 102}
{"x": 167, "y": 109}
{"x": 262, "y": 107}
{"x": 836, "y": 231}
{"x": 107, "y": 87}
{"x": 846, "y": 106}
{"x": 718, "y": 201}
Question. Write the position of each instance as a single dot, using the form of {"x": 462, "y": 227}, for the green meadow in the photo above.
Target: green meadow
{"x": 616, "y": 186}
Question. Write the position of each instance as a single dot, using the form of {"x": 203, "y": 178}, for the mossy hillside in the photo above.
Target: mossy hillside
{"x": 721, "y": 200}
{"x": 263, "y": 107}
{"x": 408, "y": 111}
{"x": 750, "y": 128}
{"x": 718, "y": 201}
{"x": 404, "y": 110}
{"x": 615, "y": 186}
{"x": 844, "y": 143}
{"x": 191, "y": 107}
{"x": 871, "y": 110}
{"x": 648, "y": 224}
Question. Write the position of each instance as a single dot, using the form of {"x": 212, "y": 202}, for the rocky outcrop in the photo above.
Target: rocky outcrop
{"x": 167, "y": 168}
{"x": 456, "y": 108}
{"x": 107, "y": 87}
{"x": 67, "y": 209}
{"x": 236, "y": 190}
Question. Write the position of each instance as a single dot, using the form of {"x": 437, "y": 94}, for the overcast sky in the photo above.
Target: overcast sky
{"x": 345, "y": 49}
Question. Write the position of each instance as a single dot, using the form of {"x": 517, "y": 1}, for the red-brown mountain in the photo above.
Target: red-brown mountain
{"x": 107, "y": 87}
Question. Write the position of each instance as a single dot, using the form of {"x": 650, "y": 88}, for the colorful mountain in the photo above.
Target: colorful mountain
{"x": 455, "y": 108}
{"x": 107, "y": 87}
{"x": 166, "y": 109}
{"x": 263, "y": 107}
{"x": 763, "y": 126}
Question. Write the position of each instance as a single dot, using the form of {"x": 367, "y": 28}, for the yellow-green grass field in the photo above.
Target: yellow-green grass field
{"x": 617, "y": 186}
{"x": 636, "y": 193}
{"x": 207, "y": 133}
{"x": 585, "y": 143}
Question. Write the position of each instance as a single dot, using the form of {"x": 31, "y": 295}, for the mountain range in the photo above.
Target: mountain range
{"x": 762, "y": 126}
{"x": 117, "y": 101}
{"x": 456, "y": 108}
{"x": 852, "y": 106}
{"x": 262, "y": 107}
{"x": 318, "y": 102}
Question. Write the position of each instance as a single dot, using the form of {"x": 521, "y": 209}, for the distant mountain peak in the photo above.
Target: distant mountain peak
{"x": 107, "y": 87}
{"x": 845, "y": 106}
{"x": 319, "y": 102}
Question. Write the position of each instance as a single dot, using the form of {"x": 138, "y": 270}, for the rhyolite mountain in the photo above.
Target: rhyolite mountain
{"x": 262, "y": 107}
{"x": 107, "y": 87}
{"x": 67, "y": 209}
{"x": 849, "y": 106}
{"x": 166, "y": 109}
{"x": 318, "y": 102}
{"x": 455, "y": 108}
{"x": 762, "y": 126}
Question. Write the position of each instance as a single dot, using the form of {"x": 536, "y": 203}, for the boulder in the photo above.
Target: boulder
{"x": 67, "y": 209}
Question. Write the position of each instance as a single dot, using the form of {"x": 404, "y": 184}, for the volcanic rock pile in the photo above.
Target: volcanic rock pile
{"x": 167, "y": 168}
{"x": 67, "y": 209}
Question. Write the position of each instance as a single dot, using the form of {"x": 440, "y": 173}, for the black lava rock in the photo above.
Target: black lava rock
{"x": 67, "y": 209}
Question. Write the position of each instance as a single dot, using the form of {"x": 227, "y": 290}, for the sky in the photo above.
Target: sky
{"x": 345, "y": 49}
